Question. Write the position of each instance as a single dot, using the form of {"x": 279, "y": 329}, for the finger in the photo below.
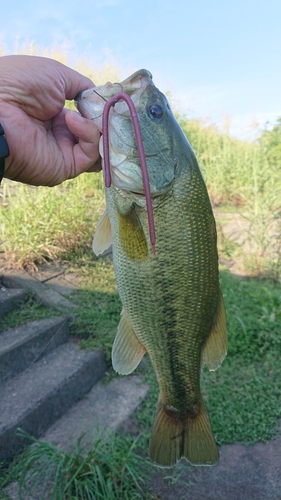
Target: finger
{"x": 78, "y": 140}
{"x": 74, "y": 81}
{"x": 96, "y": 167}
{"x": 86, "y": 132}
{"x": 82, "y": 127}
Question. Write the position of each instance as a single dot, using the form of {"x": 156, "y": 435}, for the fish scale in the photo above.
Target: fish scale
{"x": 172, "y": 303}
{"x": 173, "y": 314}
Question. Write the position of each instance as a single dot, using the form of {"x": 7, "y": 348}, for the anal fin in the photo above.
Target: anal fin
{"x": 215, "y": 347}
{"x": 127, "y": 351}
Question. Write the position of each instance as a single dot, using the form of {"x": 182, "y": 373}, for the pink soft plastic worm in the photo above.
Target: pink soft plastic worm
{"x": 111, "y": 102}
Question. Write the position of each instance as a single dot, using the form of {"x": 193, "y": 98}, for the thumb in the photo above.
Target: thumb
{"x": 87, "y": 150}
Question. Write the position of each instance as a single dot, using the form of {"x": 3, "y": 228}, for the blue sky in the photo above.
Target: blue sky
{"x": 219, "y": 58}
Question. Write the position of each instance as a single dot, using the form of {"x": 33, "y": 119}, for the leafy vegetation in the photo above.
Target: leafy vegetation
{"x": 270, "y": 140}
{"x": 244, "y": 395}
{"x": 110, "y": 470}
{"x": 28, "y": 310}
{"x": 39, "y": 224}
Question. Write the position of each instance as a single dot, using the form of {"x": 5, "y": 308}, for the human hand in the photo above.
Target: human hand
{"x": 48, "y": 144}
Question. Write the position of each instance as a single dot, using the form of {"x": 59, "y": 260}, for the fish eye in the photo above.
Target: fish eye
{"x": 156, "y": 111}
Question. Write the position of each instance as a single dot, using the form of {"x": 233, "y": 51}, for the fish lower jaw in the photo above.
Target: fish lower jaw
{"x": 133, "y": 184}
{"x": 125, "y": 182}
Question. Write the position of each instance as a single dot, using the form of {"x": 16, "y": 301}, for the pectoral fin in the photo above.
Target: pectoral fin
{"x": 131, "y": 235}
{"x": 127, "y": 351}
{"x": 215, "y": 347}
{"x": 103, "y": 235}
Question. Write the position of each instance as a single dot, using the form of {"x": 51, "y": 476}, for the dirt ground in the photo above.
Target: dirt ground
{"x": 243, "y": 473}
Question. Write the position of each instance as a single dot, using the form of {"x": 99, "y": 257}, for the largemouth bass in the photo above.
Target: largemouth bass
{"x": 172, "y": 303}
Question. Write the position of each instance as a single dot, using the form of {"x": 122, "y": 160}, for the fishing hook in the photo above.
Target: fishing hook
{"x": 107, "y": 175}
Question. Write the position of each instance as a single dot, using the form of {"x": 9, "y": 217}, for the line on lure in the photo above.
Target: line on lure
{"x": 107, "y": 175}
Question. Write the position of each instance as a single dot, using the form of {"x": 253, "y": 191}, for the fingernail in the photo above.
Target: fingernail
{"x": 76, "y": 116}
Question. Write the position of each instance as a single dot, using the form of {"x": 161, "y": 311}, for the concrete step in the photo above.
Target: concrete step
{"x": 23, "y": 345}
{"x": 43, "y": 293}
{"x": 40, "y": 395}
{"x": 10, "y": 298}
{"x": 105, "y": 407}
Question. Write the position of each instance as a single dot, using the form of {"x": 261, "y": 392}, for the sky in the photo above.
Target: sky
{"x": 220, "y": 59}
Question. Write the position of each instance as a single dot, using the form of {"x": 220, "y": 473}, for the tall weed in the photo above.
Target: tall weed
{"x": 110, "y": 470}
{"x": 242, "y": 177}
{"x": 39, "y": 223}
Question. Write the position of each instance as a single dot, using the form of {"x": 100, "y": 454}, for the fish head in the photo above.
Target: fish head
{"x": 156, "y": 122}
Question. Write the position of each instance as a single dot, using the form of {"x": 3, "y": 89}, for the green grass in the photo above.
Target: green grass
{"x": 28, "y": 310}
{"x": 99, "y": 306}
{"x": 235, "y": 171}
{"x": 111, "y": 470}
{"x": 38, "y": 224}
{"x": 244, "y": 177}
{"x": 244, "y": 395}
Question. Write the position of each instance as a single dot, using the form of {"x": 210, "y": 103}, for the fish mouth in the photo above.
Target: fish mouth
{"x": 90, "y": 103}
{"x": 124, "y": 157}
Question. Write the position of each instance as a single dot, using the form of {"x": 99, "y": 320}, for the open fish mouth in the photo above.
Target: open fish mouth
{"x": 133, "y": 85}
{"x": 122, "y": 149}
{"x": 90, "y": 103}
{"x": 122, "y": 112}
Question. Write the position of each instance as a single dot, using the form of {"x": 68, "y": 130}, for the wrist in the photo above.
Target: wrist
{"x": 4, "y": 151}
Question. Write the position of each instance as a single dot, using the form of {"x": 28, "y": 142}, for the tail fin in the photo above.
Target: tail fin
{"x": 191, "y": 438}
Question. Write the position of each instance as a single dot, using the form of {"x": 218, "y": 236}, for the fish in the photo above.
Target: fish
{"x": 172, "y": 304}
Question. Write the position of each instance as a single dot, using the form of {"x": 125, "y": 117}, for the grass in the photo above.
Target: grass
{"x": 38, "y": 224}
{"x": 99, "y": 308}
{"x": 111, "y": 470}
{"x": 28, "y": 310}
{"x": 243, "y": 396}
{"x": 242, "y": 177}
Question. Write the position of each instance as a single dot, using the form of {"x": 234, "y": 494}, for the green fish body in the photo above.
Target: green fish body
{"x": 172, "y": 303}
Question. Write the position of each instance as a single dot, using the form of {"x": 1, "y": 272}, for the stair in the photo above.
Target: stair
{"x": 49, "y": 387}
{"x": 104, "y": 408}
{"x": 23, "y": 345}
{"x": 36, "y": 398}
{"x": 9, "y": 298}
